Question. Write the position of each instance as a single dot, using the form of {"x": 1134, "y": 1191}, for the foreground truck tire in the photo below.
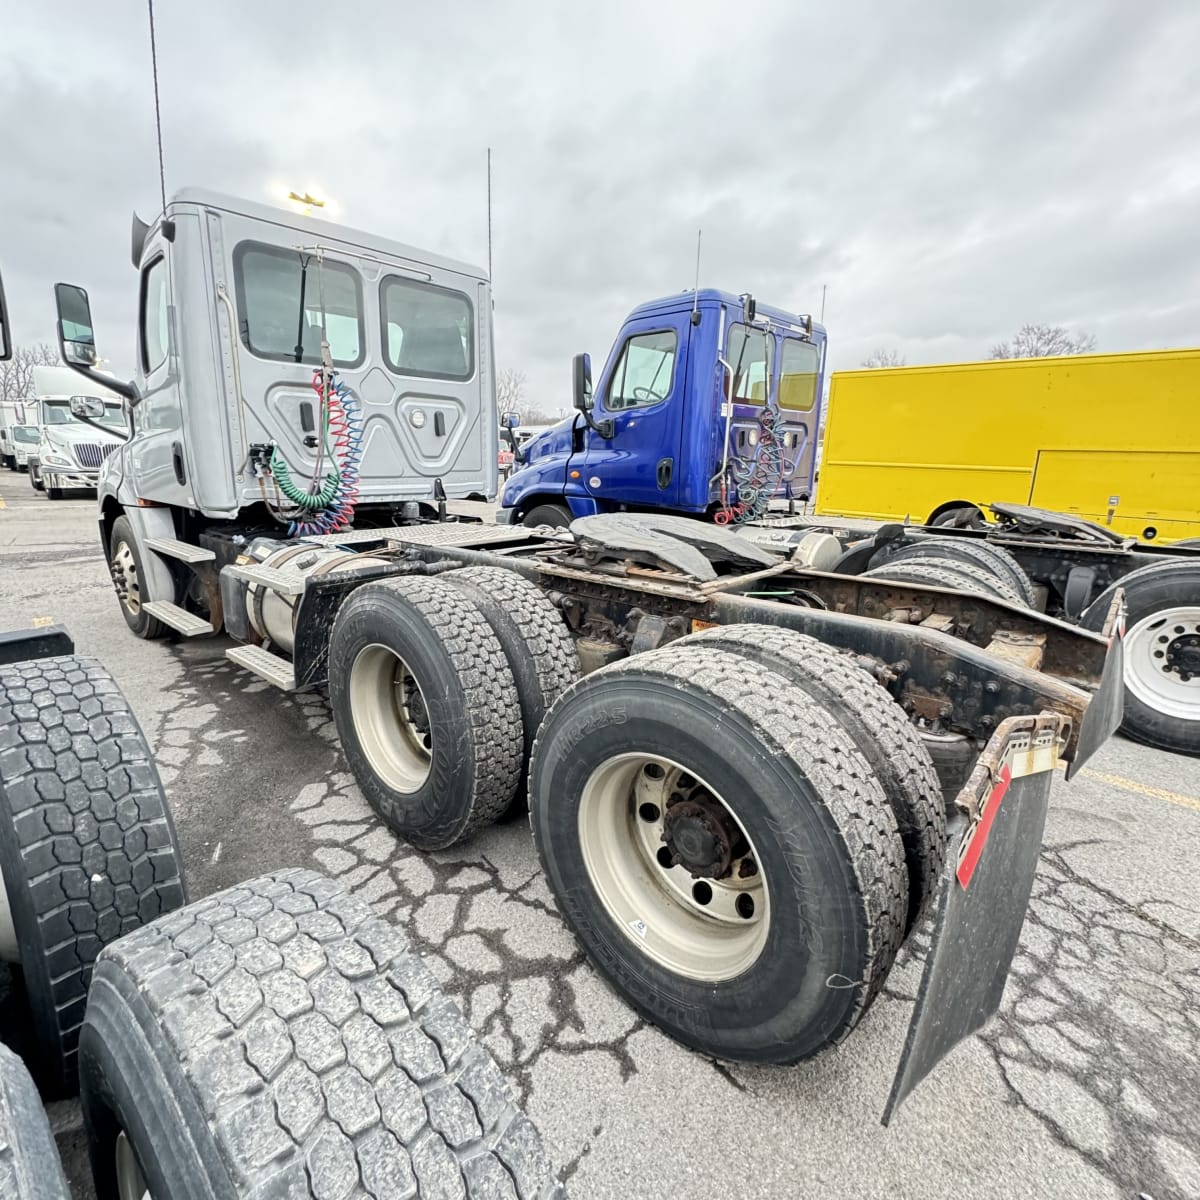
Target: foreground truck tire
{"x": 30, "y": 1168}
{"x": 426, "y": 708}
{"x": 700, "y": 820}
{"x": 87, "y": 846}
{"x": 1162, "y": 653}
{"x": 277, "y": 1039}
{"x": 879, "y": 729}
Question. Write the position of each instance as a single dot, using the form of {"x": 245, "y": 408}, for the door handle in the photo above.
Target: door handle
{"x": 666, "y": 468}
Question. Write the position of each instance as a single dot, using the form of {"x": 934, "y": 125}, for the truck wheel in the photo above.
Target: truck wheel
{"x": 1162, "y": 653}
{"x": 722, "y": 851}
{"x": 30, "y": 1168}
{"x": 426, "y": 708}
{"x": 557, "y": 516}
{"x": 960, "y": 516}
{"x": 125, "y": 564}
{"x": 53, "y": 493}
{"x": 940, "y": 572}
{"x": 87, "y": 847}
{"x": 278, "y": 1039}
{"x": 878, "y": 727}
{"x": 35, "y": 478}
{"x": 539, "y": 648}
{"x": 994, "y": 560}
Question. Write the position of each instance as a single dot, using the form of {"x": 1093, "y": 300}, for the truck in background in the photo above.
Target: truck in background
{"x": 25, "y": 441}
{"x": 12, "y": 413}
{"x": 1111, "y": 438}
{"x": 69, "y": 452}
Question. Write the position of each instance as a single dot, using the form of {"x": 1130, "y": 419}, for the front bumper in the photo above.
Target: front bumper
{"x": 59, "y": 477}
{"x": 506, "y": 516}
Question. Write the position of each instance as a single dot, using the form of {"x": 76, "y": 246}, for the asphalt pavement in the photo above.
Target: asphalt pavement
{"x": 1087, "y": 1084}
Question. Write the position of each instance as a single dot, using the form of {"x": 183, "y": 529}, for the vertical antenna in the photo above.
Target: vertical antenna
{"x": 823, "y": 287}
{"x": 489, "y": 198}
{"x": 162, "y": 178}
{"x": 696, "y": 289}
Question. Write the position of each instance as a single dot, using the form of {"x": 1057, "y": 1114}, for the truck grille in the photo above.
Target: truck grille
{"x": 87, "y": 454}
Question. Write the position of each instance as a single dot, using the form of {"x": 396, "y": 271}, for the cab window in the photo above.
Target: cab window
{"x": 799, "y": 368}
{"x": 428, "y": 331}
{"x": 154, "y": 315}
{"x": 285, "y": 298}
{"x": 750, "y": 355}
{"x": 644, "y": 372}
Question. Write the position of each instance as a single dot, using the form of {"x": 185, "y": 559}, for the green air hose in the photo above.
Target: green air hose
{"x": 311, "y": 500}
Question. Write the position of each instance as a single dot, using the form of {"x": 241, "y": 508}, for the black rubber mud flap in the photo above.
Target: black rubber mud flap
{"x": 1104, "y": 714}
{"x": 985, "y": 891}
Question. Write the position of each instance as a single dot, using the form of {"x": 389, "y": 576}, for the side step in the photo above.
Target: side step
{"x": 183, "y": 551}
{"x": 286, "y": 583}
{"x": 265, "y": 665}
{"x": 178, "y": 618}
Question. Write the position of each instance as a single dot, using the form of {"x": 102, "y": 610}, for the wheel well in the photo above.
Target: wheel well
{"x": 531, "y": 502}
{"x": 949, "y": 506}
{"x": 110, "y": 510}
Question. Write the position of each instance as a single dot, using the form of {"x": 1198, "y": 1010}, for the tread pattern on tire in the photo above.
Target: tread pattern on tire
{"x": 83, "y": 813}
{"x": 942, "y": 572}
{"x": 30, "y": 1168}
{"x": 323, "y": 1053}
{"x": 994, "y": 560}
{"x": 791, "y": 723}
{"x": 878, "y": 727}
{"x": 493, "y": 708}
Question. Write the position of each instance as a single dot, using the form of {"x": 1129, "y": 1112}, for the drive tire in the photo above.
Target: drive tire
{"x": 87, "y": 846}
{"x": 466, "y": 773}
{"x": 53, "y": 493}
{"x": 817, "y": 822}
{"x": 140, "y": 622}
{"x": 557, "y": 516}
{"x": 30, "y": 1168}
{"x": 536, "y": 642}
{"x": 994, "y": 560}
{"x": 1160, "y": 710}
{"x": 942, "y": 572}
{"x": 278, "y": 1039}
{"x": 879, "y": 729}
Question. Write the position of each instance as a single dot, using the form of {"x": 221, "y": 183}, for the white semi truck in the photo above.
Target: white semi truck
{"x": 739, "y": 764}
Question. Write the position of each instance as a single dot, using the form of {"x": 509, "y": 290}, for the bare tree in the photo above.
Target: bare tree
{"x": 16, "y": 375}
{"x": 882, "y": 357}
{"x": 1041, "y": 341}
{"x": 510, "y": 390}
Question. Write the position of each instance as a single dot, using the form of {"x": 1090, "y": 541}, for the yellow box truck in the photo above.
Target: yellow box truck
{"x": 1113, "y": 438}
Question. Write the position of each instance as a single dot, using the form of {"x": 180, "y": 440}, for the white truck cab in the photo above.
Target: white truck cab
{"x": 25, "y": 440}
{"x": 69, "y": 452}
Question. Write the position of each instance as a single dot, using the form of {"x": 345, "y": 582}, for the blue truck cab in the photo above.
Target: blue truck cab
{"x": 709, "y": 404}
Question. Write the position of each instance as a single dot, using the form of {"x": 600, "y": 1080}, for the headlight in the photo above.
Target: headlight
{"x": 57, "y": 460}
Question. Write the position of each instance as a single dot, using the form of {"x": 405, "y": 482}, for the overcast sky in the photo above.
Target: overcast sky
{"x": 950, "y": 169}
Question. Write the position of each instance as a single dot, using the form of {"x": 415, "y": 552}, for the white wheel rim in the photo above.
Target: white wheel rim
{"x": 131, "y": 1184}
{"x": 126, "y": 564}
{"x": 1159, "y": 650}
{"x": 703, "y": 928}
{"x": 10, "y": 952}
{"x": 391, "y": 718}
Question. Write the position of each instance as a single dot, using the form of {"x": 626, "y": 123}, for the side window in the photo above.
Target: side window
{"x": 154, "y": 315}
{"x": 800, "y": 363}
{"x": 644, "y": 371}
{"x": 428, "y": 331}
{"x": 280, "y": 310}
{"x": 751, "y": 355}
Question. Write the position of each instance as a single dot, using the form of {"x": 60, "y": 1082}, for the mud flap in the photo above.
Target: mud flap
{"x": 984, "y": 894}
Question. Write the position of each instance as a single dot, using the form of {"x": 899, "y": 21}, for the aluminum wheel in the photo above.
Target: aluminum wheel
{"x": 391, "y": 718}
{"x": 1162, "y": 662}
{"x": 131, "y": 1184}
{"x": 125, "y": 576}
{"x": 673, "y": 867}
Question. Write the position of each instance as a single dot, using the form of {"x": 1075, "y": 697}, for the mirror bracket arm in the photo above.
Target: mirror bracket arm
{"x": 603, "y": 428}
{"x": 128, "y": 390}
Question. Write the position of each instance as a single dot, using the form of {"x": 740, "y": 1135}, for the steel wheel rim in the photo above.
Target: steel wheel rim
{"x": 10, "y": 950}
{"x": 126, "y": 564}
{"x": 391, "y": 718}
{"x": 1148, "y": 675}
{"x": 656, "y": 907}
{"x": 131, "y": 1183}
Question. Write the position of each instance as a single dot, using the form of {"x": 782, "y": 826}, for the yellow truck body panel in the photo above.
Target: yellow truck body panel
{"x": 1113, "y": 438}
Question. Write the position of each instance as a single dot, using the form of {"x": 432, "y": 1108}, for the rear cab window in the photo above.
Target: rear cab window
{"x": 750, "y": 355}
{"x": 799, "y": 369}
{"x": 428, "y": 331}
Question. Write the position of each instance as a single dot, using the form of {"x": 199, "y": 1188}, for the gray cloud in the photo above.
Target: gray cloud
{"x": 949, "y": 170}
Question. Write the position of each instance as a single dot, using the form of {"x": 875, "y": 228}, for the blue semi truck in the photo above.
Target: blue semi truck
{"x": 709, "y": 405}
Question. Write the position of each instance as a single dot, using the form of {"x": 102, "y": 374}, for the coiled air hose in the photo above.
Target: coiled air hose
{"x": 758, "y": 480}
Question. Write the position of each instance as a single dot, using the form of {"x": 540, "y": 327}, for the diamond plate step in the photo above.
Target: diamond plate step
{"x": 178, "y": 618}
{"x": 184, "y": 551}
{"x": 265, "y": 665}
{"x": 286, "y": 583}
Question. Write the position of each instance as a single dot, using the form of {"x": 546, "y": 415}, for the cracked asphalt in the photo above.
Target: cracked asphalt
{"x": 1086, "y": 1085}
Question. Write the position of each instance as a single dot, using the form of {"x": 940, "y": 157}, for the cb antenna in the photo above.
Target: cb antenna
{"x": 489, "y": 219}
{"x": 162, "y": 178}
{"x": 696, "y": 290}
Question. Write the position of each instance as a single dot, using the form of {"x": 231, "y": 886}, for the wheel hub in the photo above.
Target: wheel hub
{"x": 1182, "y": 656}
{"x": 700, "y": 835}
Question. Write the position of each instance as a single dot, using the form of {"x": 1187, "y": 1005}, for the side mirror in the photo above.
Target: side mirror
{"x": 510, "y": 420}
{"x": 87, "y": 408}
{"x": 581, "y": 370}
{"x": 5, "y": 340}
{"x": 76, "y": 341}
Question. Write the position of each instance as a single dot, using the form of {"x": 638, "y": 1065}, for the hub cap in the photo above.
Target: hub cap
{"x": 1162, "y": 662}
{"x": 673, "y": 867}
{"x": 125, "y": 577}
{"x": 131, "y": 1185}
{"x": 391, "y": 718}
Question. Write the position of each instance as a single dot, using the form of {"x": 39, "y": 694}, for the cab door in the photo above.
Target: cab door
{"x": 642, "y": 393}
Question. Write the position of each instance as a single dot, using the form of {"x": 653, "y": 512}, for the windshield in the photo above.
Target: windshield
{"x": 25, "y": 433}
{"x": 58, "y": 412}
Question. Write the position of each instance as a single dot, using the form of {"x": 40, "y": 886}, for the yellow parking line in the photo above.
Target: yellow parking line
{"x": 1142, "y": 789}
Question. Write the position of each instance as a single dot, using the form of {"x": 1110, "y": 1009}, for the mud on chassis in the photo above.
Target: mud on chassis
{"x": 738, "y": 784}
